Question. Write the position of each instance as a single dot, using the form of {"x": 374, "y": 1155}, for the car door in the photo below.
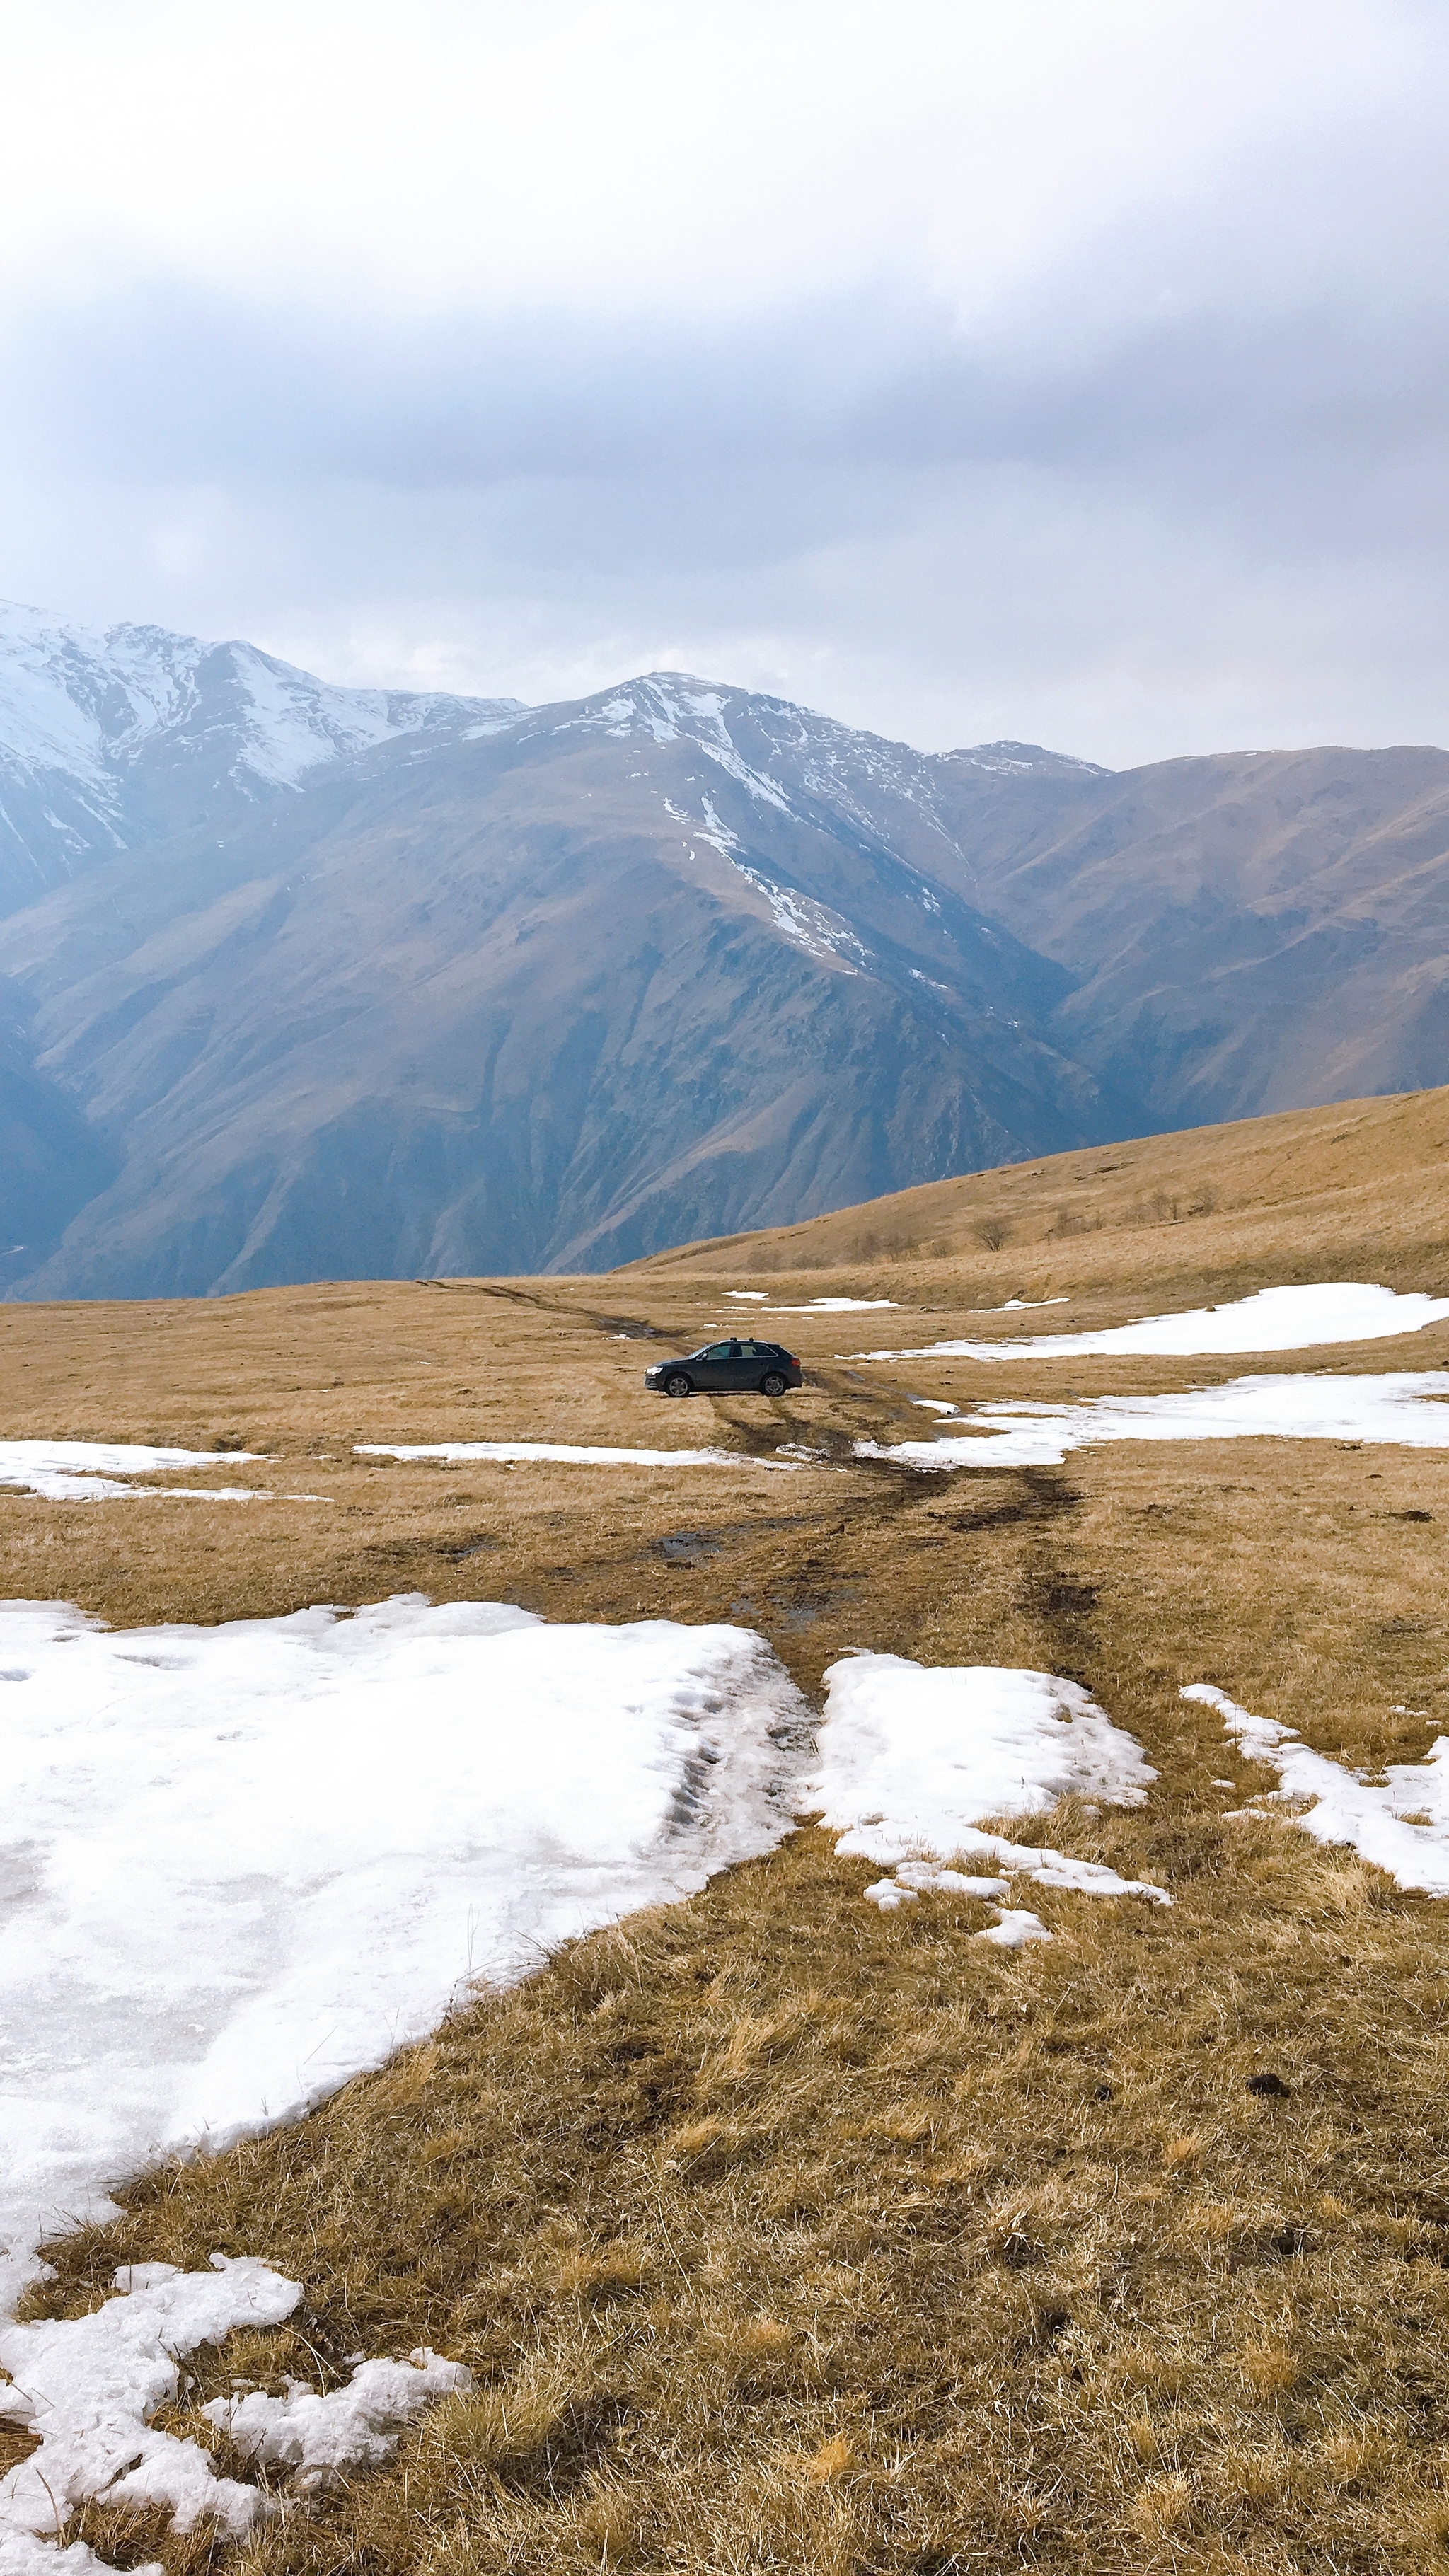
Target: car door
{"x": 740, "y": 1366}
{"x": 714, "y": 1370}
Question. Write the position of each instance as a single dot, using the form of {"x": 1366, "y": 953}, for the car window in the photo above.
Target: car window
{"x": 716, "y": 1351}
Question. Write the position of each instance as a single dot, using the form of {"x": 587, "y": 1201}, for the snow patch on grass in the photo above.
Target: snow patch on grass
{"x": 84, "y": 1471}
{"x": 1343, "y": 1807}
{"x": 89, "y": 2386}
{"x": 244, "y": 1862}
{"x": 1399, "y": 1407}
{"x": 912, "y": 1758}
{"x": 517, "y": 1452}
{"x": 835, "y": 1306}
{"x": 319, "y": 2438}
{"x": 1275, "y": 1319}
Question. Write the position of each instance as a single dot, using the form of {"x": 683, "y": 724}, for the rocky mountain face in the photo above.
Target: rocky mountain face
{"x": 307, "y": 982}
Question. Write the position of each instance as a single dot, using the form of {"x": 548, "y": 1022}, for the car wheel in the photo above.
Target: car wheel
{"x": 774, "y": 1384}
{"x": 679, "y": 1384}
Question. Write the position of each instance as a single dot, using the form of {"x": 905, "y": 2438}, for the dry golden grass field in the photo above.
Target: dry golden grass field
{"x": 779, "y": 2234}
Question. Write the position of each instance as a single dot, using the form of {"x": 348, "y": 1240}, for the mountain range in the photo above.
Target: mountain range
{"x": 301, "y": 981}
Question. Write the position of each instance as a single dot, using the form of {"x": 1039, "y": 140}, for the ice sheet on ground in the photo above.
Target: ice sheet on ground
{"x": 83, "y": 1471}
{"x": 1401, "y": 1407}
{"x": 912, "y": 1757}
{"x": 1346, "y": 1808}
{"x": 1275, "y": 1319}
{"x": 88, "y": 2386}
{"x": 243, "y": 1862}
{"x": 517, "y": 1451}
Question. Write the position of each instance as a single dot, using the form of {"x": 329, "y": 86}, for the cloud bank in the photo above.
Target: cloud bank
{"x": 1070, "y": 374}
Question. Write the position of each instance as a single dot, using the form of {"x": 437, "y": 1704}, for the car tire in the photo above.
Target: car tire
{"x": 773, "y": 1383}
{"x": 679, "y": 1384}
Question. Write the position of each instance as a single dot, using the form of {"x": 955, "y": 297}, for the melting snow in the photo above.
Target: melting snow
{"x": 834, "y": 1306}
{"x": 1020, "y": 1305}
{"x": 244, "y": 1861}
{"x": 90, "y": 2385}
{"x": 318, "y": 2438}
{"x": 1398, "y": 1407}
{"x": 84, "y": 1471}
{"x": 1276, "y": 1319}
{"x": 1346, "y": 1808}
{"x": 512, "y": 1451}
{"x": 913, "y": 1757}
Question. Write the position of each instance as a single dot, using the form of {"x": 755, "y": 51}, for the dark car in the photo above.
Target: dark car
{"x": 727, "y": 1368}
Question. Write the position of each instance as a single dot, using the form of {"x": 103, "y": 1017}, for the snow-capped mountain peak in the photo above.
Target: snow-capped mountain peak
{"x": 1022, "y": 760}
{"x": 108, "y": 738}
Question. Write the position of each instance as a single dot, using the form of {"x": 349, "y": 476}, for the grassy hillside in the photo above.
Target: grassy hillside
{"x": 779, "y": 2234}
{"x": 1211, "y": 1208}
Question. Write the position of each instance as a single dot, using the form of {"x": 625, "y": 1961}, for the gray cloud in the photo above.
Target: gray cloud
{"x": 1182, "y": 486}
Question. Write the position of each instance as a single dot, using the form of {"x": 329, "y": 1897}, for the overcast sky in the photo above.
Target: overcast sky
{"x": 1073, "y": 370}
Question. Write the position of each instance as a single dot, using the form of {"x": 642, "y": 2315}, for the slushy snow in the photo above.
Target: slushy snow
{"x": 912, "y": 1757}
{"x": 244, "y": 1862}
{"x": 1402, "y": 1408}
{"x": 1346, "y": 1808}
{"x": 1275, "y": 1319}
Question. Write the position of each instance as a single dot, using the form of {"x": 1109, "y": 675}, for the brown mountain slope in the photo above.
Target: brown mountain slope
{"x": 538, "y": 1000}
{"x": 425, "y": 985}
{"x": 1360, "y": 1189}
{"x": 1249, "y": 932}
